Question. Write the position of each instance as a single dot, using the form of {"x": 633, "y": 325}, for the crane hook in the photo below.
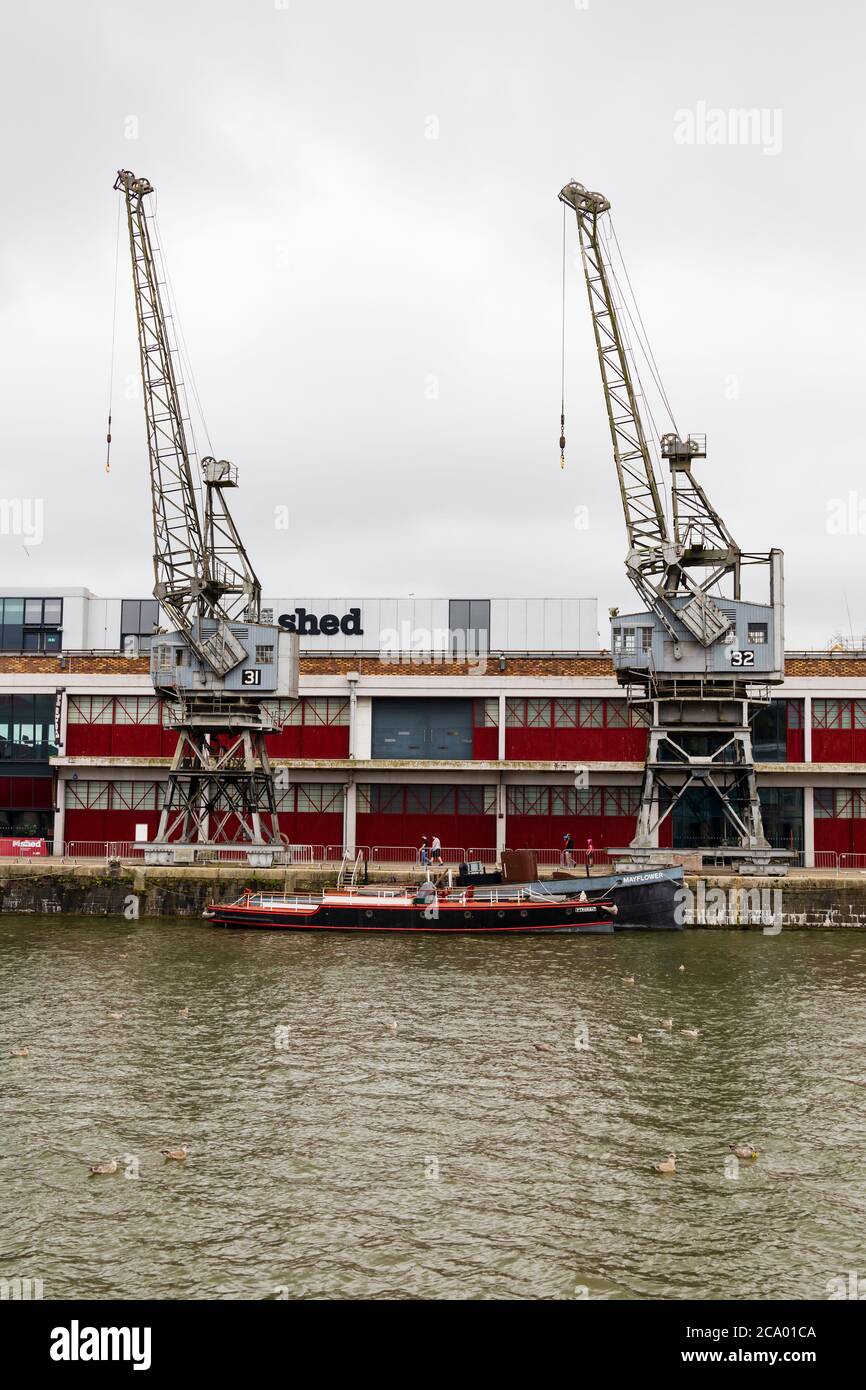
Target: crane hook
{"x": 562, "y": 441}
{"x": 108, "y": 446}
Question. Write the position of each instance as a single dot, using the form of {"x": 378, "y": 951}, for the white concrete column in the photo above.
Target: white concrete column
{"x": 363, "y": 733}
{"x": 809, "y": 827}
{"x": 501, "y": 807}
{"x": 807, "y": 728}
{"x": 60, "y": 810}
{"x": 500, "y": 750}
{"x": 349, "y": 814}
{"x": 353, "y": 710}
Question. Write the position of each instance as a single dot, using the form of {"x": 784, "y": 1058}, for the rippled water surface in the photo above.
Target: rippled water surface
{"x": 450, "y": 1159}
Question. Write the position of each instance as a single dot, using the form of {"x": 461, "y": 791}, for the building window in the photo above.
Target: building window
{"x": 137, "y": 709}
{"x": 782, "y": 813}
{"x": 770, "y": 732}
{"x": 565, "y": 714}
{"x": 616, "y": 714}
{"x": 329, "y": 710}
{"x": 27, "y": 730}
{"x": 757, "y": 634}
{"x": 528, "y": 801}
{"x": 316, "y": 797}
{"x": 87, "y": 796}
{"x": 847, "y": 804}
{"x": 469, "y": 625}
{"x": 136, "y": 796}
{"x": 621, "y": 801}
{"x": 486, "y": 714}
{"x": 476, "y": 801}
{"x": 31, "y": 624}
{"x": 285, "y": 713}
{"x": 90, "y": 709}
{"x": 264, "y": 655}
{"x": 646, "y": 639}
{"x": 823, "y": 803}
{"x": 592, "y": 714}
{"x": 139, "y": 618}
{"x": 831, "y": 714}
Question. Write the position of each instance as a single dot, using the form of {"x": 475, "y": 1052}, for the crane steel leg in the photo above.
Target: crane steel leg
{"x": 214, "y": 782}
{"x": 725, "y": 766}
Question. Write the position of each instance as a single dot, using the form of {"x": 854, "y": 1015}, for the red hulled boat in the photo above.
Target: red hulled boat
{"x": 528, "y": 911}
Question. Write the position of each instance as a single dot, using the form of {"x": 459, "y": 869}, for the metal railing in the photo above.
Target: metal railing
{"x": 21, "y": 848}
{"x": 411, "y": 854}
{"x": 570, "y": 858}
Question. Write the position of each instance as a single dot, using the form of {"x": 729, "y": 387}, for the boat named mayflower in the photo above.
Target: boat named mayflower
{"x": 525, "y": 911}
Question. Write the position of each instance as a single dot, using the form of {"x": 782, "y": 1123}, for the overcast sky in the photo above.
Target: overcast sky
{"x": 360, "y": 219}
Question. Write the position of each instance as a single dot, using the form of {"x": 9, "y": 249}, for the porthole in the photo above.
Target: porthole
{"x": 568, "y": 912}
{"x": 523, "y": 912}
{"x": 500, "y": 914}
{"x": 468, "y": 916}
{"x": 368, "y": 913}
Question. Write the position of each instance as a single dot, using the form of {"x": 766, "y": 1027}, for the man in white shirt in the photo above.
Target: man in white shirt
{"x": 436, "y": 850}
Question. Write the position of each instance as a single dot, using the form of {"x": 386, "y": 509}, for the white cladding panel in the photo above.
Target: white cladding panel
{"x": 91, "y": 622}
{"x": 421, "y": 624}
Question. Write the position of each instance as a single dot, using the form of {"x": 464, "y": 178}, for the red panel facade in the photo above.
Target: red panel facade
{"x": 399, "y": 815}
{"x": 840, "y": 820}
{"x": 534, "y": 832}
{"x": 838, "y": 731}
{"x": 573, "y": 730}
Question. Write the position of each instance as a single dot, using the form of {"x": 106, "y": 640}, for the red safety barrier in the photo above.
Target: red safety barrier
{"x": 22, "y": 847}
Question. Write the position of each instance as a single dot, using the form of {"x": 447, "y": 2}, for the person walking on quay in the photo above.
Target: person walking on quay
{"x": 566, "y": 857}
{"x": 436, "y": 850}
{"x": 424, "y": 851}
{"x": 588, "y": 857}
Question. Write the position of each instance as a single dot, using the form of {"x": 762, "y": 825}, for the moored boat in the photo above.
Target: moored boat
{"x": 646, "y": 899}
{"x": 509, "y": 911}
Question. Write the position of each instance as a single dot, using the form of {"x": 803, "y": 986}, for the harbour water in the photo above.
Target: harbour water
{"x": 331, "y": 1156}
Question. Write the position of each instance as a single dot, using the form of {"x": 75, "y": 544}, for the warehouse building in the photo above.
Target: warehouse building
{"x": 488, "y": 722}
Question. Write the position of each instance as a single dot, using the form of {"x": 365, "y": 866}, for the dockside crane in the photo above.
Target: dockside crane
{"x": 700, "y": 660}
{"x": 219, "y": 666}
